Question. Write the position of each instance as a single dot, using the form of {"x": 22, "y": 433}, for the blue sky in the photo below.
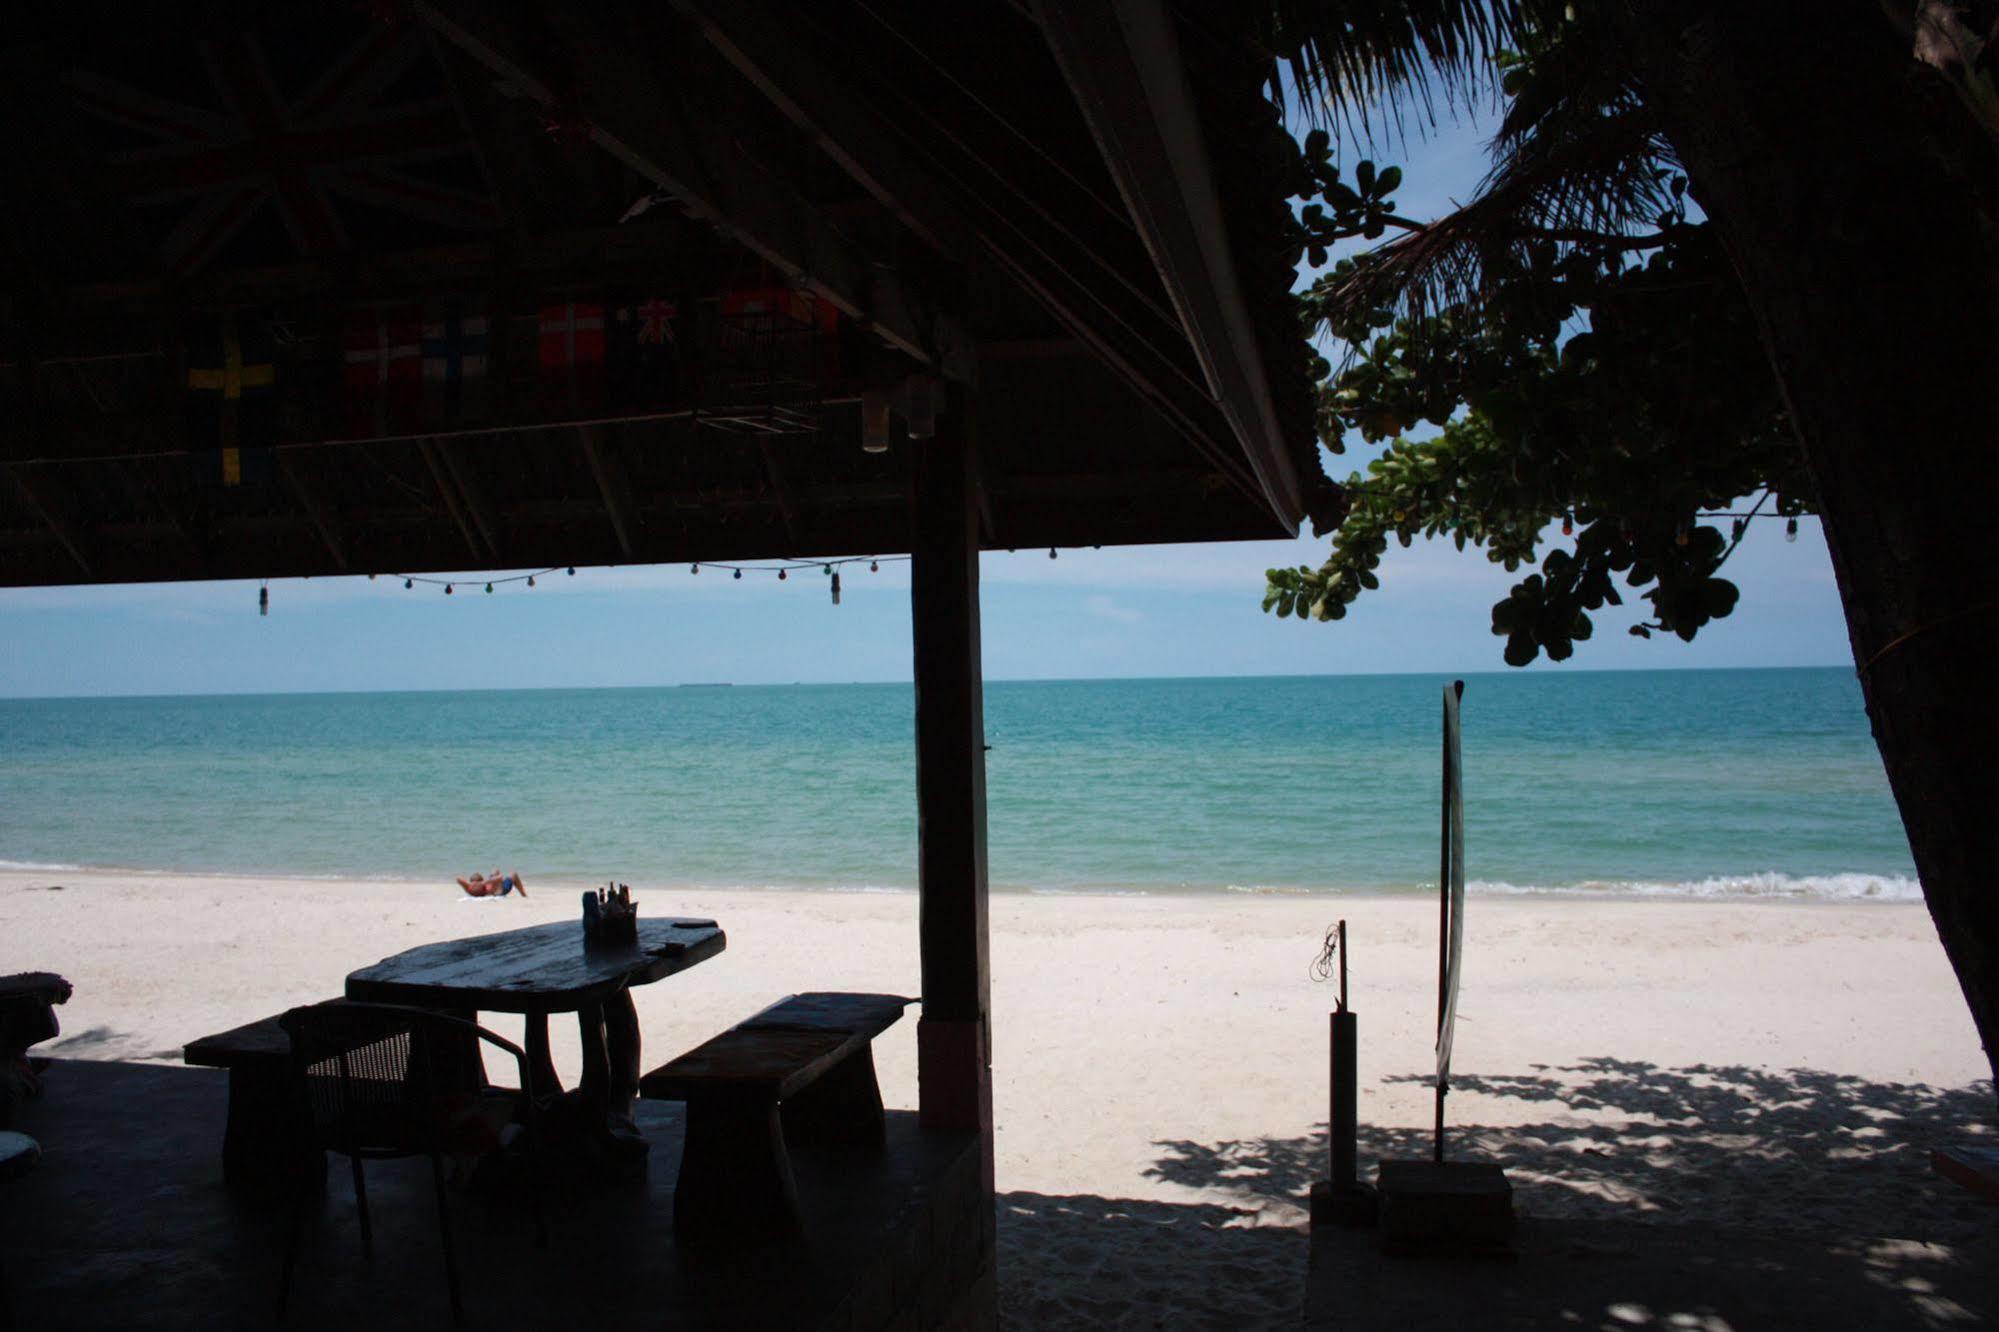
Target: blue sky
{"x": 1134, "y": 611}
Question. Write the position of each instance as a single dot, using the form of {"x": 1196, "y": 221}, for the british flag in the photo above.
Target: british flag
{"x": 644, "y": 357}
{"x": 263, "y": 147}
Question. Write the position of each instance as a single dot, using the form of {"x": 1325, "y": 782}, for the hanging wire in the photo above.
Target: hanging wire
{"x": 1323, "y": 965}
{"x": 782, "y": 568}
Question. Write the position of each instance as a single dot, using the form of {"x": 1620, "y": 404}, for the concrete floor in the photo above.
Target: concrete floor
{"x": 126, "y": 1223}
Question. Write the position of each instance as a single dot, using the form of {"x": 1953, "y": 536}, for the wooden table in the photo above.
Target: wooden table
{"x": 545, "y": 969}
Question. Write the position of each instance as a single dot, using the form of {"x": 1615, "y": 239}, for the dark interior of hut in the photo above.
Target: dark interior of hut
{"x": 304, "y": 292}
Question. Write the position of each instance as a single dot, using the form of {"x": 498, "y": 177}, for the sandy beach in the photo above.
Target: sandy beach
{"x": 1160, "y": 1061}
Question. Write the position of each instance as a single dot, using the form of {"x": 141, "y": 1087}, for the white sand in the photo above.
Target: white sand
{"x": 1160, "y": 1062}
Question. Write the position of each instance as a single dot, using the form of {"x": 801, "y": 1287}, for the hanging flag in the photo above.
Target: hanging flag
{"x": 383, "y": 373}
{"x": 454, "y": 368}
{"x": 1452, "y": 865}
{"x": 232, "y": 407}
{"x": 283, "y": 139}
{"x": 572, "y": 354}
{"x": 644, "y": 353}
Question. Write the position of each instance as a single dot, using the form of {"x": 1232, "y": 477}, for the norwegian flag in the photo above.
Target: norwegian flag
{"x": 573, "y": 349}
{"x": 300, "y": 139}
{"x": 454, "y": 368}
{"x": 383, "y": 371}
{"x": 644, "y": 353}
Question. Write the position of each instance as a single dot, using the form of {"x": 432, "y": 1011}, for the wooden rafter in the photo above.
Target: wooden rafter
{"x": 1122, "y": 60}
{"x": 622, "y": 113}
{"x": 298, "y": 475}
{"x": 1094, "y": 281}
{"x": 756, "y": 41}
{"x": 42, "y": 501}
{"x": 473, "y": 493}
{"x": 615, "y": 488}
{"x": 440, "y": 474}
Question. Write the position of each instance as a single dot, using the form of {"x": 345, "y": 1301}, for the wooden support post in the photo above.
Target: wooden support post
{"x": 954, "y": 1064}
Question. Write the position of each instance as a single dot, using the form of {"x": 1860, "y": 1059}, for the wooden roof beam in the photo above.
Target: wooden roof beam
{"x": 445, "y": 488}
{"x": 615, "y": 487}
{"x": 622, "y": 114}
{"x": 1122, "y": 60}
{"x": 44, "y": 504}
{"x": 474, "y": 494}
{"x": 763, "y": 47}
{"x": 293, "y": 463}
{"x": 1094, "y": 281}
{"x": 780, "y": 489}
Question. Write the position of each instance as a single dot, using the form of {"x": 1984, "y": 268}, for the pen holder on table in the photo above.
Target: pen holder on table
{"x": 610, "y": 916}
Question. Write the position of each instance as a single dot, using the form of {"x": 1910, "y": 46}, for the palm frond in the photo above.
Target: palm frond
{"x": 1353, "y": 60}
{"x": 1600, "y": 181}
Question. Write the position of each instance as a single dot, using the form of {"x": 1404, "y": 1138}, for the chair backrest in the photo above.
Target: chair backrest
{"x": 378, "y": 1078}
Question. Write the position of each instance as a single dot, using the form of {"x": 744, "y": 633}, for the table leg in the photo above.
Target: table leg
{"x": 610, "y": 1082}
{"x": 591, "y": 1088}
{"x": 469, "y": 1052}
{"x": 540, "y": 1066}
{"x": 621, "y": 1031}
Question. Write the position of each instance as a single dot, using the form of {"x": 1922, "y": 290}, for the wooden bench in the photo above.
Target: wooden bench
{"x": 261, "y": 1149}
{"x": 804, "y": 1068}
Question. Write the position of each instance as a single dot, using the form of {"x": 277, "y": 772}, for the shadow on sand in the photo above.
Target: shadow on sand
{"x": 1653, "y": 1196}
{"x": 1803, "y": 1149}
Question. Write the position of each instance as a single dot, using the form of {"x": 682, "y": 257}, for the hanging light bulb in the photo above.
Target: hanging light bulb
{"x": 572, "y": 571}
{"x": 780, "y": 575}
{"x": 836, "y": 589}
{"x": 371, "y": 578}
{"x": 1682, "y": 534}
{"x": 874, "y": 566}
{"x": 447, "y": 589}
{"x": 1568, "y": 525}
{"x": 827, "y": 570}
{"x": 264, "y": 600}
{"x": 1791, "y": 530}
{"x": 489, "y": 589}
{"x": 1051, "y": 552}
{"x": 408, "y": 583}
{"x": 530, "y": 580}
{"x": 739, "y": 575}
{"x": 693, "y": 569}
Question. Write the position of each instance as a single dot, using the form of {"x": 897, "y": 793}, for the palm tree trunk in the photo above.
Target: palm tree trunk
{"x": 1860, "y": 204}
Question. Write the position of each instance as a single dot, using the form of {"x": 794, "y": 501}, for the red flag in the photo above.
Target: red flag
{"x": 572, "y": 356}
{"x": 383, "y": 371}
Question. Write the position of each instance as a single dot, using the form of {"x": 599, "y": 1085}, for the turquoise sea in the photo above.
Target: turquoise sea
{"x": 1707, "y": 783}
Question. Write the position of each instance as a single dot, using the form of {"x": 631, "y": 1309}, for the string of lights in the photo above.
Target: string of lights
{"x": 829, "y": 568}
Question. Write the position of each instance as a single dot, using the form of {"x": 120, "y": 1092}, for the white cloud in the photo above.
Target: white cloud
{"x": 1104, "y": 608}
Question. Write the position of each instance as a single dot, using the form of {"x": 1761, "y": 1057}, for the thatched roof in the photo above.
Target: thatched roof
{"x": 316, "y": 288}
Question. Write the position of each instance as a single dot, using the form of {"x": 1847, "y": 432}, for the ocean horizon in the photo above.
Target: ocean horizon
{"x": 1743, "y": 783}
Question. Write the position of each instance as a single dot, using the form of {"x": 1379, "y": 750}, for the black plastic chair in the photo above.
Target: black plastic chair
{"x": 379, "y": 1081}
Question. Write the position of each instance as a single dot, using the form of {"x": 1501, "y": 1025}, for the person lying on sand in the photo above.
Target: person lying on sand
{"x": 495, "y": 884}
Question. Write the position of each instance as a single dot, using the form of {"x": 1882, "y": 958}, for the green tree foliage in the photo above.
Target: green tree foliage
{"x": 1584, "y": 351}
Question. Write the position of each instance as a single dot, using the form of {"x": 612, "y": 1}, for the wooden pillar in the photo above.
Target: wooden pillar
{"x": 954, "y": 1063}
